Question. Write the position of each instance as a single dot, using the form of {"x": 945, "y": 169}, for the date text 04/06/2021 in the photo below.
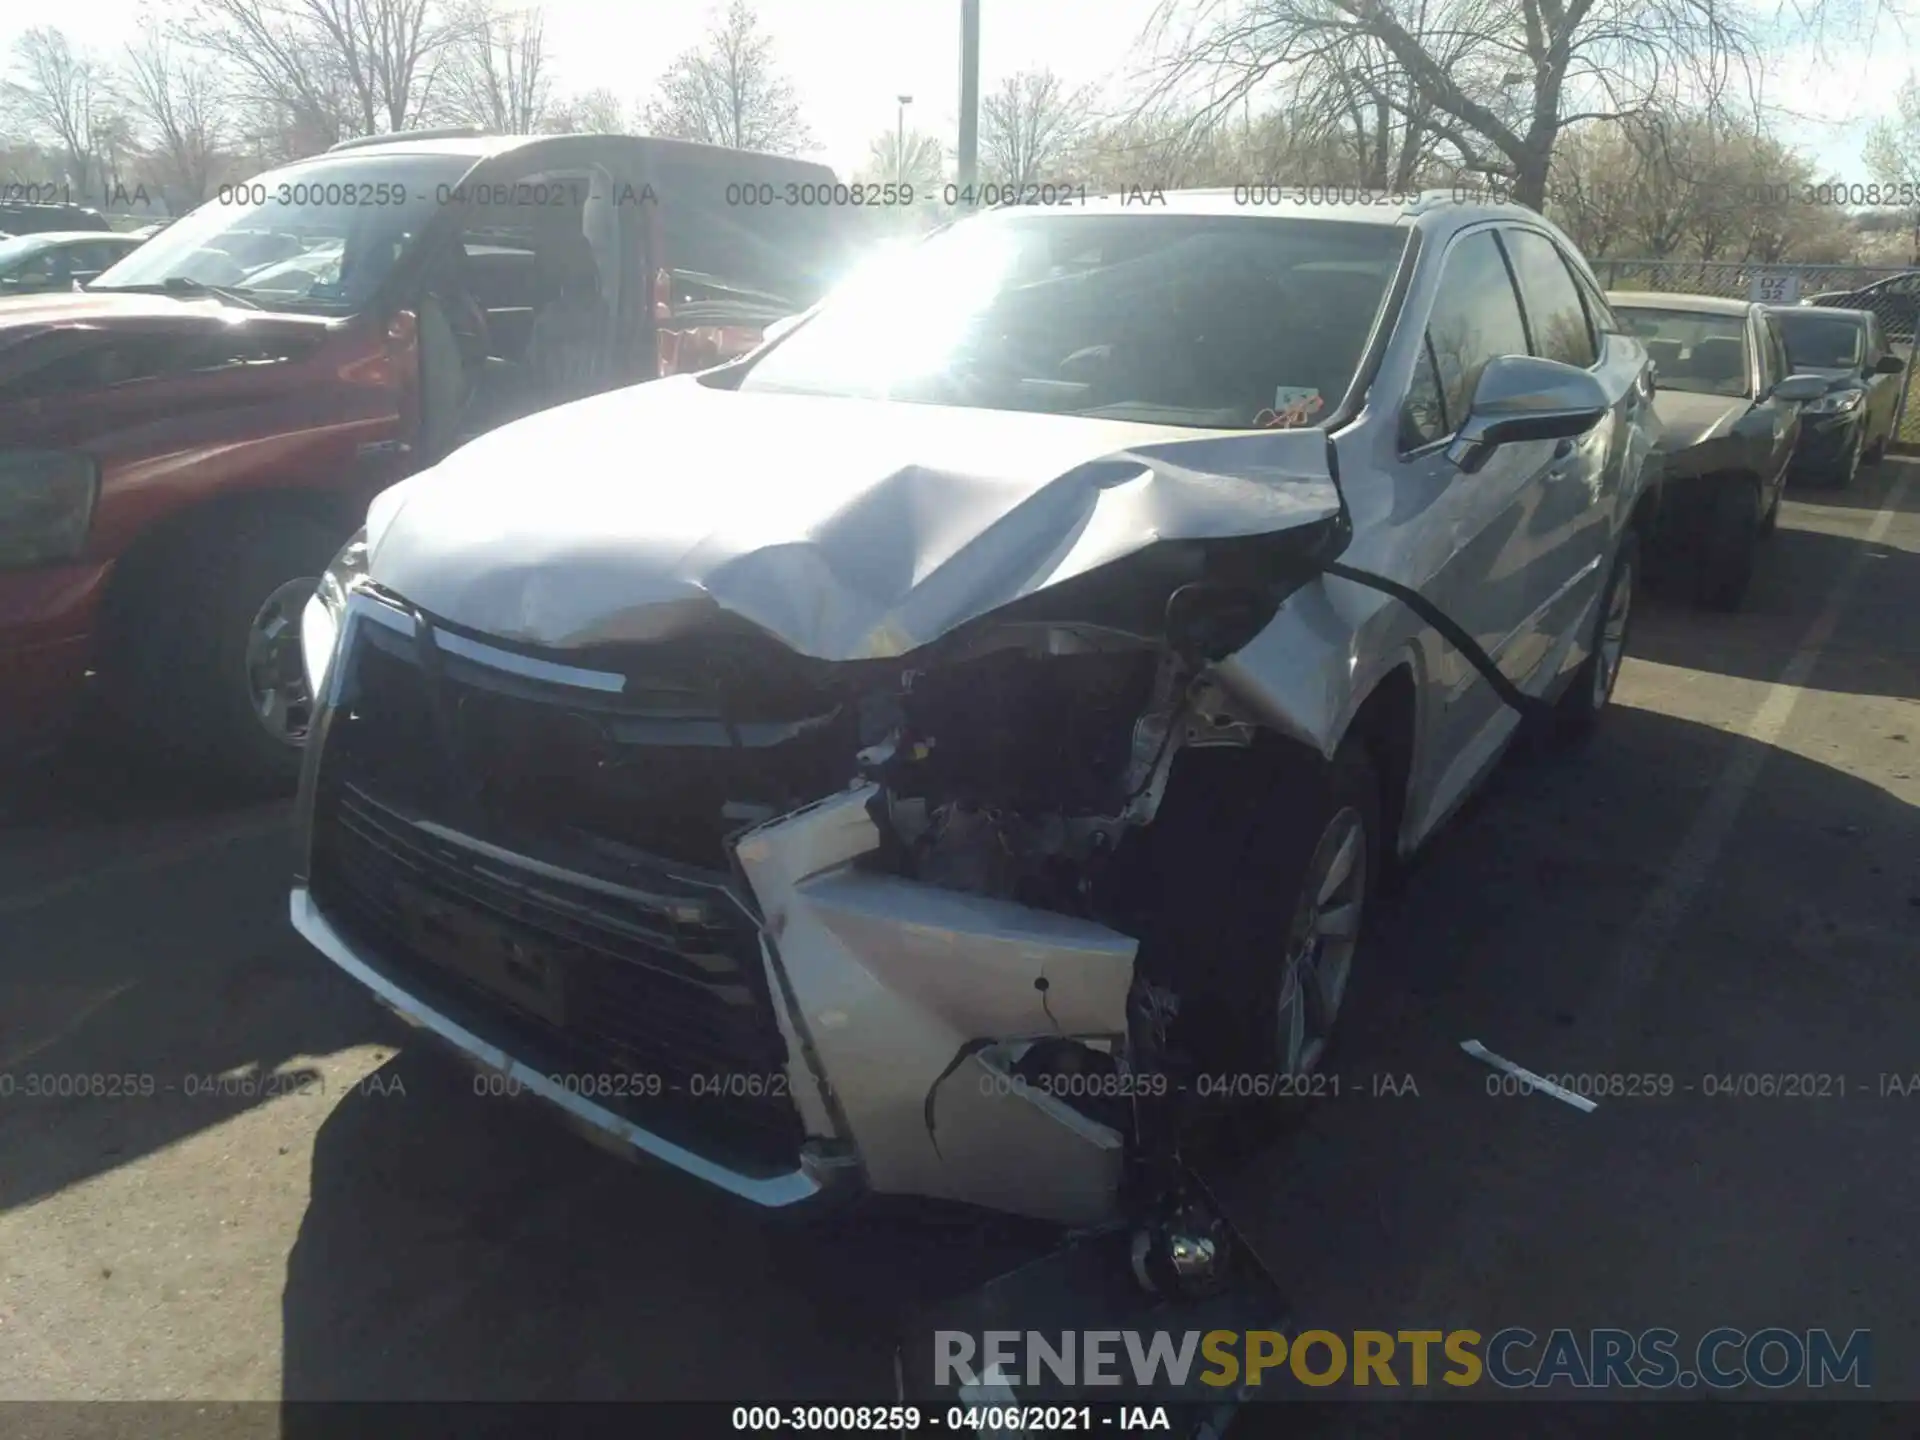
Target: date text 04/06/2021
{"x": 962, "y": 1419}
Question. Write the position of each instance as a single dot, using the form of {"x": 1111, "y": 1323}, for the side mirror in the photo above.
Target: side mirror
{"x": 1889, "y": 364}
{"x": 1800, "y": 388}
{"x": 1522, "y": 397}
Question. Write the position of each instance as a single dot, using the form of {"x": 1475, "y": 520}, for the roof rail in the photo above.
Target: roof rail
{"x": 450, "y": 132}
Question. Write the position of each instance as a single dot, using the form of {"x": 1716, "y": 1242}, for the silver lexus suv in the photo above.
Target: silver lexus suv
{"x": 916, "y": 756}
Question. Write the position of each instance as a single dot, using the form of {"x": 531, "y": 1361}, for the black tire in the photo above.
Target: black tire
{"x": 1578, "y": 711}
{"x": 179, "y": 668}
{"x": 1728, "y": 541}
{"x": 1234, "y": 864}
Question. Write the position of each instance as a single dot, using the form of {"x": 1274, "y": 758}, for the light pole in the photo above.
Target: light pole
{"x": 900, "y": 140}
{"x": 969, "y": 93}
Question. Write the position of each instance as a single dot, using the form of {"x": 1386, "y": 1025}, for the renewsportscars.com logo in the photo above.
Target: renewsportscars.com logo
{"x": 1514, "y": 1358}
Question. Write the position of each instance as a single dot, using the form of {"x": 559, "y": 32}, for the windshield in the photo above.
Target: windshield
{"x": 1820, "y": 342}
{"x": 19, "y": 247}
{"x": 1220, "y": 322}
{"x": 1700, "y": 354}
{"x": 319, "y": 236}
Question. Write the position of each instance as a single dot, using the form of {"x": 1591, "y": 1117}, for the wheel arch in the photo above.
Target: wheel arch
{"x": 144, "y": 562}
{"x": 1386, "y": 722}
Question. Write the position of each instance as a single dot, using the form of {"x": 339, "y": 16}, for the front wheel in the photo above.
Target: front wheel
{"x": 1728, "y": 545}
{"x": 209, "y": 655}
{"x": 1315, "y": 966}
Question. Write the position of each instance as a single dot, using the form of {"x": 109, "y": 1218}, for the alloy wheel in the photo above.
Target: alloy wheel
{"x": 276, "y": 678}
{"x": 1321, "y": 941}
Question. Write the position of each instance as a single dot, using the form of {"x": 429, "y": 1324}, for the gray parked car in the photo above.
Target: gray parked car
{"x": 57, "y": 260}
{"x": 1730, "y": 416}
{"x": 978, "y": 722}
{"x": 1852, "y": 424}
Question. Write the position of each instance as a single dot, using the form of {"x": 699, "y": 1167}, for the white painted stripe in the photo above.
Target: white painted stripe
{"x": 1527, "y": 1077}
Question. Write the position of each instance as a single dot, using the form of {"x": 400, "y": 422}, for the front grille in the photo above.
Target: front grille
{"x": 573, "y": 951}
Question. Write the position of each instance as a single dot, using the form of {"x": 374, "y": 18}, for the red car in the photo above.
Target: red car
{"x": 186, "y": 443}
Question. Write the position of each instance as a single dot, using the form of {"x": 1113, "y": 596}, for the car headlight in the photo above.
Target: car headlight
{"x": 46, "y": 505}
{"x": 321, "y": 621}
{"x": 1840, "y": 402}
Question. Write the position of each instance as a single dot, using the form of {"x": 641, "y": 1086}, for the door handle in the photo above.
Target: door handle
{"x": 1563, "y": 449}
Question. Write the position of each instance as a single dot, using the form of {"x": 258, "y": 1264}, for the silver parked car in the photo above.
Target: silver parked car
{"x": 915, "y": 756}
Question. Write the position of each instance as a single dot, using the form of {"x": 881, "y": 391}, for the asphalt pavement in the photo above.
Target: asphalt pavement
{"x": 268, "y": 1193}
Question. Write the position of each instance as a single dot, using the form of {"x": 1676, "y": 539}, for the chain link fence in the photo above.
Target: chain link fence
{"x": 1891, "y": 292}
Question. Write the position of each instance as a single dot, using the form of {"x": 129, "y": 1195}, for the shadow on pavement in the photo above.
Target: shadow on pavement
{"x": 1870, "y": 489}
{"x": 464, "y": 1246}
{"x": 1797, "y": 571}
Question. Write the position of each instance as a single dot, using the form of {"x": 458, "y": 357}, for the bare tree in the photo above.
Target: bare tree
{"x": 321, "y": 69}
{"x": 1893, "y": 152}
{"x": 1029, "y": 127}
{"x": 915, "y": 159}
{"x": 1496, "y": 81}
{"x": 596, "y": 112}
{"x": 726, "y": 91}
{"x": 496, "y": 73}
{"x": 177, "y": 97}
{"x": 63, "y": 95}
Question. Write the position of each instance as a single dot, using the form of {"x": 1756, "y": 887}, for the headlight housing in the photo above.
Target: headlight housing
{"x": 46, "y": 505}
{"x": 1839, "y": 402}
{"x": 321, "y": 621}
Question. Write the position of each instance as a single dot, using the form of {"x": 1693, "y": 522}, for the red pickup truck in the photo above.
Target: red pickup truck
{"x": 186, "y": 442}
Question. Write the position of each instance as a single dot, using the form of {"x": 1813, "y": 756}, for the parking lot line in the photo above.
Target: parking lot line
{"x": 1652, "y": 929}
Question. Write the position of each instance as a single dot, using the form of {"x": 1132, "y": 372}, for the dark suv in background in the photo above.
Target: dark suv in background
{"x": 1896, "y": 300}
{"x": 26, "y": 219}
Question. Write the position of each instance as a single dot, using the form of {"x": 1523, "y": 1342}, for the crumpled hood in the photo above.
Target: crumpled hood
{"x": 1687, "y": 419}
{"x": 848, "y": 529}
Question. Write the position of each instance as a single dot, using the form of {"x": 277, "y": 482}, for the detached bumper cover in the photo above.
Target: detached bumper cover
{"x": 809, "y": 1178}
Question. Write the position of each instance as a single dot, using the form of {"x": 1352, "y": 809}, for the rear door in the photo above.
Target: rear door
{"x": 1581, "y": 487}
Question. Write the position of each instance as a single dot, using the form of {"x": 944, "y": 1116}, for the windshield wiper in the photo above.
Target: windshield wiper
{"x": 186, "y": 285}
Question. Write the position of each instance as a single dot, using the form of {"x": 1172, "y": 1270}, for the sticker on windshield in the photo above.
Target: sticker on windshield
{"x": 1293, "y": 406}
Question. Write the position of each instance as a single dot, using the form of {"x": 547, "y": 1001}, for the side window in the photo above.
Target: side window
{"x": 1558, "y": 319}
{"x": 1773, "y": 355}
{"x": 1599, "y": 313}
{"x": 44, "y": 266}
{"x": 1423, "y": 419}
{"x": 1475, "y": 318}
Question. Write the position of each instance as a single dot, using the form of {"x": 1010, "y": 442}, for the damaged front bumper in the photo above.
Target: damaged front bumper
{"x": 804, "y": 1023}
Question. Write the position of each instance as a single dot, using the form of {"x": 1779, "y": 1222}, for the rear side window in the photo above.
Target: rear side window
{"x": 1475, "y": 319}
{"x": 1558, "y": 319}
{"x": 738, "y": 246}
